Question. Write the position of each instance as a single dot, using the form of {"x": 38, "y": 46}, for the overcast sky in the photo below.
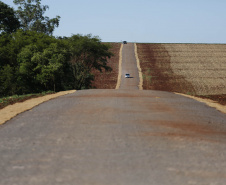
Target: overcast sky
{"x": 149, "y": 21}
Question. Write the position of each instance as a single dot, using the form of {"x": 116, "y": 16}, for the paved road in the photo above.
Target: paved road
{"x": 115, "y": 137}
{"x": 129, "y": 65}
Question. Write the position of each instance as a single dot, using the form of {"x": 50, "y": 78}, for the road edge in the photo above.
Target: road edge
{"x": 11, "y": 111}
{"x": 139, "y": 68}
{"x": 119, "y": 68}
{"x": 208, "y": 102}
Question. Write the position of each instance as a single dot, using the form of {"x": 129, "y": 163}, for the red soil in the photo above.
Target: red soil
{"x": 108, "y": 80}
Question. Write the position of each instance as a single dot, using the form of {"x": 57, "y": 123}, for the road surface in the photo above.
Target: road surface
{"x": 115, "y": 137}
{"x": 129, "y": 65}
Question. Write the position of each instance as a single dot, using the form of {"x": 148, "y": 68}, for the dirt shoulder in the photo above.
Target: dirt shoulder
{"x": 208, "y": 102}
{"x": 11, "y": 111}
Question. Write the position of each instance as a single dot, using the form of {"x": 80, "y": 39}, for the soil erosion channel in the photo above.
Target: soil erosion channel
{"x": 124, "y": 136}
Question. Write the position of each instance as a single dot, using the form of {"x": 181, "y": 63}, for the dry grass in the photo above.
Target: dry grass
{"x": 194, "y": 69}
{"x": 203, "y": 65}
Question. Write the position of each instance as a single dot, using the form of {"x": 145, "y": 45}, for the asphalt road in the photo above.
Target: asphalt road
{"x": 129, "y": 65}
{"x": 115, "y": 137}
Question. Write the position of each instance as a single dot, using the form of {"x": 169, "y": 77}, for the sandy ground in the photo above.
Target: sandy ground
{"x": 119, "y": 68}
{"x": 11, "y": 111}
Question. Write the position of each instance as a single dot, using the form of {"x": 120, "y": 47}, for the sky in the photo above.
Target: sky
{"x": 144, "y": 21}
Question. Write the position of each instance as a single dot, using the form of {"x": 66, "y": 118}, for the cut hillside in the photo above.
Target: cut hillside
{"x": 108, "y": 79}
{"x": 193, "y": 69}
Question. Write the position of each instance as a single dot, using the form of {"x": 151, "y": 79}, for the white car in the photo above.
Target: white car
{"x": 127, "y": 75}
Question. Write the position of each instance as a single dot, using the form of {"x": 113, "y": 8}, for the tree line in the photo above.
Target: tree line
{"x": 32, "y": 60}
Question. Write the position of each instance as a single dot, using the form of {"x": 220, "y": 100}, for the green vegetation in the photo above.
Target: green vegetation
{"x": 147, "y": 76}
{"x": 31, "y": 15}
{"x": 5, "y": 101}
{"x": 8, "y": 20}
{"x": 33, "y": 61}
{"x": 191, "y": 93}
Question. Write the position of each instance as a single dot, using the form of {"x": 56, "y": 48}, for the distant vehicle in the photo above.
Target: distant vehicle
{"x": 124, "y": 42}
{"x": 127, "y": 75}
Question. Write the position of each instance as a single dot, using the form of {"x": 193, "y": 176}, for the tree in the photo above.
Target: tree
{"x": 31, "y": 15}
{"x": 42, "y": 70}
{"x": 32, "y": 62}
{"x": 87, "y": 53}
{"x": 7, "y": 81}
{"x": 8, "y": 20}
{"x": 12, "y": 44}
{"x": 16, "y": 52}
{"x": 50, "y": 64}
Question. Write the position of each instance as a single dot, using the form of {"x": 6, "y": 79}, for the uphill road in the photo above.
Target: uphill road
{"x": 115, "y": 137}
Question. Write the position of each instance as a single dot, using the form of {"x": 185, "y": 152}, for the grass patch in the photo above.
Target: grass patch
{"x": 190, "y": 93}
{"x": 9, "y": 100}
{"x": 147, "y": 76}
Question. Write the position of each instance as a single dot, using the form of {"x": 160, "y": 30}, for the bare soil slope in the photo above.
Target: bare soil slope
{"x": 193, "y": 69}
{"x": 108, "y": 80}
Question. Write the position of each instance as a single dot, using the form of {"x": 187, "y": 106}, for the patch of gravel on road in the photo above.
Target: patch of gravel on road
{"x": 11, "y": 111}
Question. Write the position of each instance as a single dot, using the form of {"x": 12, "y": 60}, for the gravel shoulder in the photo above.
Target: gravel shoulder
{"x": 209, "y": 102}
{"x": 11, "y": 111}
